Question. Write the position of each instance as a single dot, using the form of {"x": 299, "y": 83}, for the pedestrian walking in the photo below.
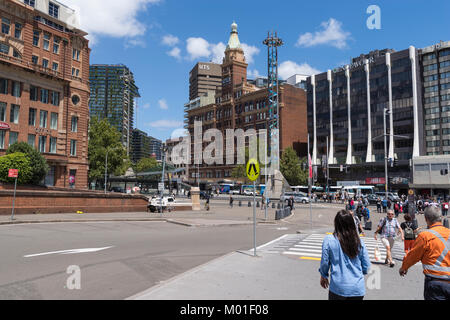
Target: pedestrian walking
{"x": 378, "y": 205}
{"x": 359, "y": 228}
{"x": 445, "y": 208}
{"x": 231, "y": 201}
{"x": 432, "y": 248}
{"x": 384, "y": 203}
{"x": 345, "y": 260}
{"x": 410, "y": 229}
{"x": 388, "y": 229}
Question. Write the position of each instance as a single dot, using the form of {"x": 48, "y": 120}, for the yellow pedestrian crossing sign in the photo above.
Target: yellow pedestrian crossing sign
{"x": 252, "y": 169}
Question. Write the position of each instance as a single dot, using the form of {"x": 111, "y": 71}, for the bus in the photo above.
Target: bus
{"x": 305, "y": 189}
{"x": 358, "y": 190}
{"x": 259, "y": 189}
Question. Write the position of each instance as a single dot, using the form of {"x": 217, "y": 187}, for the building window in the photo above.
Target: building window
{"x": 52, "y": 145}
{"x": 2, "y": 139}
{"x": 54, "y": 121}
{"x": 74, "y": 127}
{"x": 4, "y": 48}
{"x": 32, "y": 140}
{"x": 55, "y": 98}
{"x": 35, "y": 59}
{"x": 32, "y": 117}
{"x": 42, "y": 143}
{"x": 29, "y": 2}
{"x": 13, "y": 137}
{"x": 55, "y": 66}
{"x": 76, "y": 54}
{"x": 75, "y": 72}
{"x": 16, "y": 54}
{"x": 44, "y": 95}
{"x": 18, "y": 31}
{"x": 36, "y": 36}
{"x": 6, "y": 25}
{"x": 14, "y": 115}
{"x": 43, "y": 119}
{"x": 56, "y": 41}
{"x": 3, "y": 86}
{"x": 44, "y": 63}
{"x": 16, "y": 89}
{"x": 33, "y": 93}
{"x": 73, "y": 148}
{"x": 53, "y": 10}
{"x": 46, "y": 43}
{"x": 2, "y": 111}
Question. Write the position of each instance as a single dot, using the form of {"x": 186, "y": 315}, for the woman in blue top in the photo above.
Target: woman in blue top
{"x": 347, "y": 257}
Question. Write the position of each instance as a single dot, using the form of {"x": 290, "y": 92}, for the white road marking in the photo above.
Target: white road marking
{"x": 72, "y": 251}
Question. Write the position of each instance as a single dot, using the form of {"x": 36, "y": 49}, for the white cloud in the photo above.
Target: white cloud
{"x": 200, "y": 48}
{"x": 165, "y": 124}
{"x": 253, "y": 74}
{"x": 290, "y": 68}
{"x": 175, "y": 52}
{"x": 170, "y": 40}
{"x": 249, "y": 52}
{"x": 146, "y": 106}
{"x": 331, "y": 34}
{"x": 116, "y": 19}
{"x": 163, "y": 104}
{"x": 130, "y": 43}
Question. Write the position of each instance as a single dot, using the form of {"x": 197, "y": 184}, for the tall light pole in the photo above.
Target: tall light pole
{"x": 164, "y": 149}
{"x": 385, "y": 112}
{"x": 106, "y": 168}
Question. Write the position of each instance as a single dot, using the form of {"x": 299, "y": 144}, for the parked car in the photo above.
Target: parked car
{"x": 117, "y": 189}
{"x": 248, "y": 192}
{"x": 299, "y": 197}
{"x": 372, "y": 198}
{"x": 155, "y": 203}
{"x": 393, "y": 196}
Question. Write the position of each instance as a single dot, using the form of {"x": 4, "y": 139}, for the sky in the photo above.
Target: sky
{"x": 162, "y": 40}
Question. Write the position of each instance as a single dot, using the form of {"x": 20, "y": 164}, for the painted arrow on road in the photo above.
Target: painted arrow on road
{"x": 72, "y": 251}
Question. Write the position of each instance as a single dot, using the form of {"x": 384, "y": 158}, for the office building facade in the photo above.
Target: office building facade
{"x": 113, "y": 97}
{"x": 44, "y": 91}
{"x": 346, "y": 106}
{"x": 204, "y": 77}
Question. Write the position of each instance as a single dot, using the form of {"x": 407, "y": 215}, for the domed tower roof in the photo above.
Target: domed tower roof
{"x": 233, "y": 42}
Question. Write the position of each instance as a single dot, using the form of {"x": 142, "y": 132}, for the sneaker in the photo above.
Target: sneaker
{"x": 392, "y": 264}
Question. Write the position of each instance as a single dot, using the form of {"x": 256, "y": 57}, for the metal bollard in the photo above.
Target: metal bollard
{"x": 279, "y": 206}
{"x": 257, "y": 204}
{"x": 249, "y": 204}
{"x": 240, "y": 203}
{"x": 278, "y": 215}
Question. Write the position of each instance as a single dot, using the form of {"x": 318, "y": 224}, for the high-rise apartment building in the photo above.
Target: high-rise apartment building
{"x": 113, "y": 95}
{"x": 44, "y": 91}
{"x": 155, "y": 148}
{"x": 141, "y": 146}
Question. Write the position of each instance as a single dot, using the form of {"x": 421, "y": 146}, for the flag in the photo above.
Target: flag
{"x": 310, "y": 166}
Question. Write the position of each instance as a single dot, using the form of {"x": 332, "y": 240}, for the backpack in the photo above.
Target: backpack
{"x": 409, "y": 232}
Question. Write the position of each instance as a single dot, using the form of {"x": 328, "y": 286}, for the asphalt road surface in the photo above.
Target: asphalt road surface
{"x": 43, "y": 261}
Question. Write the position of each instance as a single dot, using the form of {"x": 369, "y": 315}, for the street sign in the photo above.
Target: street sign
{"x": 13, "y": 173}
{"x": 160, "y": 186}
{"x": 252, "y": 169}
{"x": 4, "y": 126}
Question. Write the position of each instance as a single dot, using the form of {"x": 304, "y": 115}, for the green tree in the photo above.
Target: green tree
{"x": 18, "y": 161}
{"x": 105, "y": 139}
{"x": 146, "y": 164}
{"x": 38, "y": 163}
{"x": 292, "y": 169}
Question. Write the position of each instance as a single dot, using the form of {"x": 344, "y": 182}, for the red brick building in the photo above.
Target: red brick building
{"x": 242, "y": 105}
{"x": 44, "y": 89}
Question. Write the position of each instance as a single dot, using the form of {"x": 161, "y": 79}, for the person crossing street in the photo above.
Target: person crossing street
{"x": 432, "y": 248}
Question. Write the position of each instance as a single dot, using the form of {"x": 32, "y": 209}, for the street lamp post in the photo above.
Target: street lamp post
{"x": 106, "y": 168}
{"x": 385, "y": 112}
{"x": 164, "y": 149}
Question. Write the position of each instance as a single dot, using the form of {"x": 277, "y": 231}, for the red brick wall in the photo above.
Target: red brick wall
{"x": 293, "y": 119}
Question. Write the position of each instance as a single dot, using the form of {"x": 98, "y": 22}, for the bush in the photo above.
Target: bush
{"x": 38, "y": 163}
{"x": 18, "y": 161}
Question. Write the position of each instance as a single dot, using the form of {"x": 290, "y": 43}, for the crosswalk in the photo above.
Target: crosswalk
{"x": 310, "y": 247}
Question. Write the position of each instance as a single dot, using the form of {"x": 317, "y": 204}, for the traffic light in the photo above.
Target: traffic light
{"x": 395, "y": 162}
{"x": 444, "y": 172}
{"x": 391, "y": 162}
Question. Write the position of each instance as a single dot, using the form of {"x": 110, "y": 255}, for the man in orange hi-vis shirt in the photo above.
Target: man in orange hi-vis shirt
{"x": 432, "y": 248}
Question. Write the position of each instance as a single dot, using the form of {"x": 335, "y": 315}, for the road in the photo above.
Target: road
{"x": 142, "y": 254}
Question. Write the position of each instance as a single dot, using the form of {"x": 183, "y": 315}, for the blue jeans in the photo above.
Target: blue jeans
{"x": 436, "y": 289}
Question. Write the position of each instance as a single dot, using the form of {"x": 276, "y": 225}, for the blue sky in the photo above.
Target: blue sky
{"x": 161, "y": 40}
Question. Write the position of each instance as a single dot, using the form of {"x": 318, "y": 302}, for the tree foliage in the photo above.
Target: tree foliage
{"x": 292, "y": 169}
{"x": 146, "y": 164}
{"x": 17, "y": 160}
{"x": 105, "y": 139}
{"x": 37, "y": 161}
